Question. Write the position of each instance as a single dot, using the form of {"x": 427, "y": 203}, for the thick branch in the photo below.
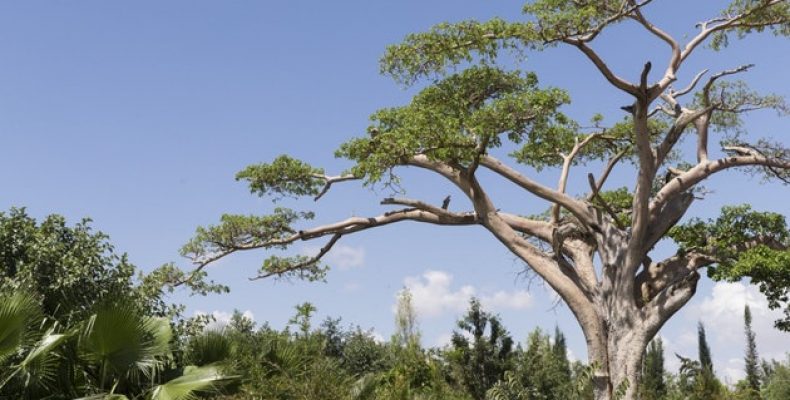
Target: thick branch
{"x": 667, "y": 218}
{"x": 561, "y": 277}
{"x": 615, "y": 80}
{"x": 347, "y": 226}
{"x": 669, "y": 75}
{"x": 704, "y": 170}
{"x": 640, "y": 205}
{"x": 677, "y": 128}
{"x": 578, "y": 208}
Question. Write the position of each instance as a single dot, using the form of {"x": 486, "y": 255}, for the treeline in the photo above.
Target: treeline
{"x": 79, "y": 321}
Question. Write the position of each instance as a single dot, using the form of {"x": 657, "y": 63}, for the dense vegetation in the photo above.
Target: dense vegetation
{"x": 78, "y": 321}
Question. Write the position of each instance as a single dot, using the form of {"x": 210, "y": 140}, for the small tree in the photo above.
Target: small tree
{"x": 544, "y": 369}
{"x": 406, "y": 330}
{"x": 481, "y": 350}
{"x": 475, "y": 108}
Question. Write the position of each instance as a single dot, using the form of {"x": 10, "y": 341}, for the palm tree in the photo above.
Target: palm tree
{"x": 117, "y": 353}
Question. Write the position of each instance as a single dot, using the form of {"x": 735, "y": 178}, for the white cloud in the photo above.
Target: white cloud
{"x": 433, "y": 295}
{"x": 341, "y": 256}
{"x": 222, "y": 318}
{"x": 722, "y": 314}
{"x": 379, "y": 338}
{"x": 519, "y": 300}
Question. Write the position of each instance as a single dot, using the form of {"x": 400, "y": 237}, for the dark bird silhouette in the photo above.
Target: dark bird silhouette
{"x": 446, "y": 202}
{"x": 628, "y": 109}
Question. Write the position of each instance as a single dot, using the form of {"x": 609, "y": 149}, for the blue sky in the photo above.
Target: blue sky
{"x": 138, "y": 114}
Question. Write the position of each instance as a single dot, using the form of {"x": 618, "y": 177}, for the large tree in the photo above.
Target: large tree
{"x": 476, "y": 106}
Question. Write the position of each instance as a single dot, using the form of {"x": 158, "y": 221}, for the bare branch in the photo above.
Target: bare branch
{"x": 424, "y": 206}
{"x": 597, "y": 186}
{"x": 347, "y": 226}
{"x": 643, "y": 78}
{"x": 718, "y": 24}
{"x": 690, "y": 86}
{"x": 704, "y": 170}
{"x": 329, "y": 181}
{"x": 303, "y": 264}
{"x": 701, "y": 125}
{"x": 615, "y": 80}
{"x": 577, "y": 208}
{"x": 566, "y": 166}
{"x": 712, "y": 80}
{"x": 677, "y": 128}
{"x": 596, "y": 195}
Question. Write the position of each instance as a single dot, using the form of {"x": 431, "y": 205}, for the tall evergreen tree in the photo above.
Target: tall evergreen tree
{"x": 560, "y": 350}
{"x": 653, "y": 385}
{"x": 704, "y": 350}
{"x": 706, "y": 385}
{"x": 751, "y": 360}
{"x": 482, "y": 360}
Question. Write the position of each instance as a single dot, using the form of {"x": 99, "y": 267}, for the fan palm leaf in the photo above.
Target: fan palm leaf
{"x": 123, "y": 342}
{"x": 194, "y": 380}
{"x": 18, "y": 314}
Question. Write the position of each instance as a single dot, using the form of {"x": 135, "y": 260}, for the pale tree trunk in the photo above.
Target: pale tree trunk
{"x": 618, "y": 367}
{"x": 627, "y": 319}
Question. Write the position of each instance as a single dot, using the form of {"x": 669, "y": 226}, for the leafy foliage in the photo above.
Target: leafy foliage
{"x": 481, "y": 359}
{"x": 745, "y": 243}
{"x": 761, "y": 15}
{"x": 285, "y": 176}
{"x": 448, "y": 121}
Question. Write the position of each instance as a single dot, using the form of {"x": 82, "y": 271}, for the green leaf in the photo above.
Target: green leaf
{"x": 194, "y": 381}
{"x": 285, "y": 176}
{"x": 122, "y": 341}
{"x": 17, "y": 315}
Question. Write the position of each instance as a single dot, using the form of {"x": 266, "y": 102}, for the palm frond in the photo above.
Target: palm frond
{"x": 18, "y": 314}
{"x": 195, "y": 380}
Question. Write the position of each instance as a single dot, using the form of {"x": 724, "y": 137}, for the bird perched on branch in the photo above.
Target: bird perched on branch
{"x": 446, "y": 202}
{"x": 629, "y": 108}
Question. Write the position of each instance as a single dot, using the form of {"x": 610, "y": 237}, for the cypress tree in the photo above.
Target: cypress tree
{"x": 653, "y": 384}
{"x": 706, "y": 386}
{"x": 560, "y": 350}
{"x": 751, "y": 359}
{"x": 704, "y": 350}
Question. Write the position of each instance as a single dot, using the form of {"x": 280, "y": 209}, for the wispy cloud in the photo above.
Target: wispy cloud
{"x": 433, "y": 295}
{"x": 341, "y": 256}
